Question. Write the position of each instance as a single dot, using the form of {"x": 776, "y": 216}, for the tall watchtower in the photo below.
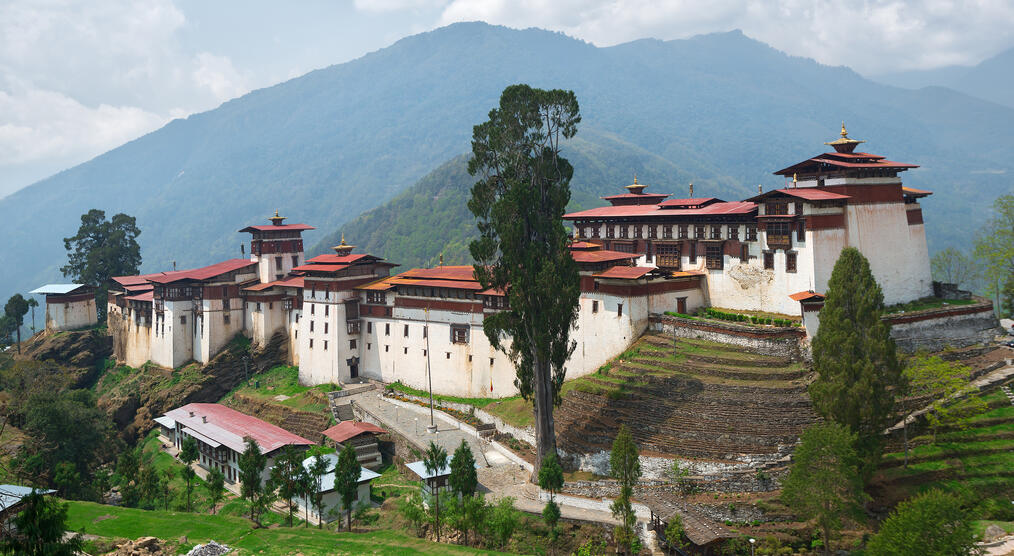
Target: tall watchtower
{"x": 276, "y": 247}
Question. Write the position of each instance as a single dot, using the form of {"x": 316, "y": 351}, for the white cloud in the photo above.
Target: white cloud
{"x": 217, "y": 74}
{"x": 871, "y": 36}
{"x": 381, "y": 6}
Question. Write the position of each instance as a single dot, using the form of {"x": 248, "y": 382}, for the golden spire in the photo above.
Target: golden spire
{"x": 691, "y": 190}
{"x": 441, "y": 259}
{"x": 276, "y": 220}
{"x": 760, "y": 188}
{"x": 635, "y": 178}
{"x": 794, "y": 179}
{"x": 844, "y": 133}
{"x": 343, "y": 248}
{"x": 343, "y": 238}
{"x": 844, "y": 144}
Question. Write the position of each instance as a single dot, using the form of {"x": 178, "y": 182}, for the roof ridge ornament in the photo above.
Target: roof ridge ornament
{"x": 343, "y": 248}
{"x": 794, "y": 177}
{"x": 844, "y": 144}
{"x": 276, "y": 220}
{"x": 691, "y": 190}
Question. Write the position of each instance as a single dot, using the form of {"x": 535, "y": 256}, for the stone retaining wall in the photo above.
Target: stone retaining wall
{"x": 787, "y": 341}
{"x": 955, "y": 325}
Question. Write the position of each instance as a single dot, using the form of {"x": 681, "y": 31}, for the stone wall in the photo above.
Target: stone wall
{"x": 955, "y": 325}
{"x": 778, "y": 341}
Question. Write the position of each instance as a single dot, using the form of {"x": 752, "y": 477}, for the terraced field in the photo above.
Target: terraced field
{"x": 694, "y": 399}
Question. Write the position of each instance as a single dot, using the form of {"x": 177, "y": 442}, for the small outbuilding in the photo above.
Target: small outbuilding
{"x": 11, "y": 498}
{"x": 68, "y": 306}
{"x": 432, "y": 482}
{"x": 705, "y": 536}
{"x": 362, "y": 436}
{"x": 332, "y": 499}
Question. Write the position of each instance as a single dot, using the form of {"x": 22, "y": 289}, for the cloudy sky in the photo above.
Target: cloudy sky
{"x": 78, "y": 78}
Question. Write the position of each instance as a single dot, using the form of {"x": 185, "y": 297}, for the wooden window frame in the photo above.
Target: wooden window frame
{"x": 769, "y": 260}
{"x": 791, "y": 262}
{"x": 733, "y": 232}
{"x": 751, "y": 232}
{"x": 700, "y": 231}
{"x": 714, "y": 258}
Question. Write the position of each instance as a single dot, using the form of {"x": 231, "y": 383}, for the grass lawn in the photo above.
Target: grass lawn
{"x": 117, "y": 522}
{"x": 284, "y": 380}
{"x": 926, "y": 303}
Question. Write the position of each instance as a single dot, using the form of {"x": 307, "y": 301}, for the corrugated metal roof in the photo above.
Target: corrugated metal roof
{"x": 454, "y": 272}
{"x": 146, "y": 296}
{"x": 290, "y": 282}
{"x": 806, "y": 296}
{"x": 229, "y": 427}
{"x": 203, "y": 273}
{"x": 351, "y": 429}
{"x": 625, "y": 272}
{"x": 601, "y": 256}
{"x": 327, "y": 481}
{"x": 913, "y": 192}
{"x": 58, "y": 289}
{"x": 806, "y": 193}
{"x": 380, "y": 285}
{"x": 11, "y": 495}
{"x": 419, "y": 469}
{"x": 282, "y": 228}
{"x": 452, "y": 284}
{"x": 734, "y": 207}
{"x": 339, "y": 259}
{"x": 690, "y": 202}
{"x": 321, "y": 267}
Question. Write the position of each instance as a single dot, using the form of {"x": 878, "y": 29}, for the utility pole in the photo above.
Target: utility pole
{"x": 429, "y": 370}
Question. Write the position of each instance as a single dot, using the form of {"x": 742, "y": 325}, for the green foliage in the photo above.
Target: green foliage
{"x": 434, "y": 460}
{"x": 858, "y": 373}
{"x": 824, "y": 483}
{"x": 188, "y": 454}
{"x": 953, "y": 266}
{"x": 100, "y": 250}
{"x": 625, "y": 467}
{"x": 948, "y": 385}
{"x": 287, "y": 476}
{"x": 38, "y": 529}
{"x": 251, "y": 464}
{"x": 994, "y": 245}
{"x": 65, "y": 427}
{"x": 346, "y": 478}
{"x": 674, "y": 531}
{"x": 501, "y": 522}
{"x": 522, "y": 191}
{"x": 931, "y": 524}
{"x": 680, "y": 476}
{"x": 551, "y": 474}
{"x": 315, "y": 482}
{"x": 14, "y": 315}
{"x": 463, "y": 479}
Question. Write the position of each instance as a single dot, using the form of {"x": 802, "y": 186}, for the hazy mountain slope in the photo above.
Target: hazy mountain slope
{"x": 720, "y": 110}
{"x": 992, "y": 79}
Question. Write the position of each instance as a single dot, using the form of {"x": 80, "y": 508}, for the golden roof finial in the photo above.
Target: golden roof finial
{"x": 794, "y": 180}
{"x": 691, "y": 190}
{"x": 441, "y": 259}
{"x": 276, "y": 220}
{"x": 844, "y": 133}
{"x": 635, "y": 178}
{"x": 343, "y": 239}
{"x": 276, "y": 213}
{"x": 760, "y": 188}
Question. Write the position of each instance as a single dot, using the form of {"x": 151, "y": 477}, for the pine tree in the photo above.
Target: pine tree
{"x": 625, "y": 467}
{"x": 39, "y": 529}
{"x": 463, "y": 479}
{"x": 931, "y": 523}
{"x": 318, "y": 468}
{"x": 854, "y": 356}
{"x": 551, "y": 480}
{"x": 251, "y": 465}
{"x": 346, "y": 478}
{"x": 189, "y": 454}
{"x": 285, "y": 476}
{"x": 522, "y": 249}
{"x": 824, "y": 482}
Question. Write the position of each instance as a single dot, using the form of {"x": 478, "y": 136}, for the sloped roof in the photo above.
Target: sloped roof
{"x": 700, "y": 530}
{"x": 351, "y": 429}
{"x": 601, "y": 256}
{"x": 806, "y": 296}
{"x": 327, "y": 481}
{"x": 720, "y": 208}
{"x": 58, "y": 289}
{"x": 11, "y": 495}
{"x": 625, "y": 272}
{"x": 229, "y": 427}
{"x": 281, "y": 228}
{"x": 203, "y": 273}
{"x": 806, "y": 193}
{"x": 288, "y": 282}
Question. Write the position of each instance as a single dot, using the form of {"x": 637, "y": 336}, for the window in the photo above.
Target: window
{"x": 734, "y": 232}
{"x": 295, "y": 260}
{"x": 610, "y": 231}
{"x": 699, "y": 232}
{"x": 448, "y": 355}
{"x": 769, "y": 260}
{"x": 776, "y": 208}
{"x": 424, "y": 353}
{"x": 624, "y": 247}
{"x": 638, "y": 230}
{"x": 225, "y": 318}
{"x": 790, "y": 262}
{"x": 799, "y": 208}
{"x": 387, "y": 329}
{"x": 744, "y": 252}
{"x": 779, "y": 234}
{"x": 406, "y": 331}
{"x": 490, "y": 361}
{"x": 693, "y": 253}
{"x": 624, "y": 231}
{"x": 801, "y": 231}
{"x": 278, "y": 263}
{"x": 183, "y": 318}
{"x": 595, "y": 231}
{"x": 716, "y": 232}
{"x": 595, "y": 306}
{"x": 469, "y": 358}
{"x": 271, "y": 305}
{"x": 258, "y": 309}
{"x": 225, "y": 304}
{"x": 619, "y": 309}
{"x": 425, "y": 331}
{"x": 313, "y": 308}
{"x": 683, "y": 231}
{"x": 652, "y": 231}
{"x": 352, "y": 344}
{"x": 751, "y": 233}
{"x": 406, "y": 351}
{"x": 369, "y": 346}
{"x": 311, "y": 326}
{"x": 667, "y": 255}
{"x": 327, "y": 310}
{"x": 667, "y": 232}
{"x": 387, "y": 349}
{"x": 325, "y": 327}
{"x": 325, "y": 345}
{"x": 459, "y": 334}
{"x": 369, "y": 327}
{"x": 311, "y": 343}
{"x": 376, "y": 297}
{"x": 714, "y": 257}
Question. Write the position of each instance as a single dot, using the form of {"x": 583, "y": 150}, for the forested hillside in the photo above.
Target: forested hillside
{"x": 720, "y": 110}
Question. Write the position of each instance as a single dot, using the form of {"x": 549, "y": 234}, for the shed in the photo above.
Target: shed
{"x": 704, "y": 533}
{"x": 68, "y": 306}
{"x": 432, "y": 482}
{"x": 11, "y": 497}
{"x": 362, "y": 436}
{"x": 332, "y": 498}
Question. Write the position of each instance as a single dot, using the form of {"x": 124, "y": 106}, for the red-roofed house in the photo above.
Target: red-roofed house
{"x": 362, "y": 436}
{"x": 221, "y": 433}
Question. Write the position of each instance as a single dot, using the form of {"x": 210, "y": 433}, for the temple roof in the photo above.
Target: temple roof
{"x": 713, "y": 209}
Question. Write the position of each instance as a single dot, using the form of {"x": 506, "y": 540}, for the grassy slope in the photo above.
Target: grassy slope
{"x": 117, "y": 522}
{"x": 284, "y": 380}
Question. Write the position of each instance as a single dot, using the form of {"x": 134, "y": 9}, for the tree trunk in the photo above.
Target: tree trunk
{"x": 545, "y": 430}
{"x": 437, "y": 498}
{"x": 348, "y": 518}
{"x": 19, "y": 338}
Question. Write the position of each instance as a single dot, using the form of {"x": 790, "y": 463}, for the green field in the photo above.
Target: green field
{"x": 284, "y": 380}
{"x": 117, "y": 522}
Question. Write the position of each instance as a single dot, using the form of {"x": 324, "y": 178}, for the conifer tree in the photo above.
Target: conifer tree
{"x": 39, "y": 529}
{"x": 318, "y": 468}
{"x": 551, "y": 480}
{"x": 215, "y": 486}
{"x": 189, "y": 454}
{"x": 931, "y": 523}
{"x": 285, "y": 476}
{"x": 522, "y": 249}
{"x": 463, "y": 479}
{"x": 625, "y": 467}
{"x": 346, "y": 479}
{"x": 251, "y": 465}
{"x": 854, "y": 356}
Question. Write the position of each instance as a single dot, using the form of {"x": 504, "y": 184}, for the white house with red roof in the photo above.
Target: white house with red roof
{"x": 757, "y": 253}
{"x": 221, "y": 434}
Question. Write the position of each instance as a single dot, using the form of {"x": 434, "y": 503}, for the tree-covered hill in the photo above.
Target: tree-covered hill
{"x": 720, "y": 110}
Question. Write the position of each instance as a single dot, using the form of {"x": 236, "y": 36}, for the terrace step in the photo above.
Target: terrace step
{"x": 701, "y": 367}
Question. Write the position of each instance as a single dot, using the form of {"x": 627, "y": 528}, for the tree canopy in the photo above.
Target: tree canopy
{"x": 522, "y": 249}
{"x": 346, "y": 478}
{"x": 930, "y": 524}
{"x": 39, "y": 529}
{"x": 463, "y": 479}
{"x": 251, "y": 465}
{"x": 858, "y": 373}
{"x": 15, "y": 310}
{"x": 625, "y": 467}
{"x": 102, "y": 249}
{"x": 825, "y": 483}
{"x": 995, "y": 246}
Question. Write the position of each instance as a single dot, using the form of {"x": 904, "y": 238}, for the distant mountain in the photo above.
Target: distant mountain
{"x": 991, "y": 79}
{"x": 720, "y": 110}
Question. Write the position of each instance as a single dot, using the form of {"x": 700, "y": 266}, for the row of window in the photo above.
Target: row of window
{"x": 778, "y": 230}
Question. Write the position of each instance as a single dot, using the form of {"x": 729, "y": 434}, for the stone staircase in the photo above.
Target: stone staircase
{"x": 1008, "y": 392}
{"x": 711, "y": 401}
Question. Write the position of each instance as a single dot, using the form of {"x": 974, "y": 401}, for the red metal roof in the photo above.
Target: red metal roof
{"x": 807, "y": 193}
{"x": 229, "y": 427}
{"x": 636, "y": 196}
{"x": 339, "y": 259}
{"x": 290, "y": 282}
{"x": 457, "y": 272}
{"x": 383, "y": 284}
{"x": 320, "y": 267}
{"x": 601, "y": 256}
{"x": 720, "y": 208}
{"x": 837, "y": 159}
{"x": 584, "y": 245}
{"x": 282, "y": 228}
{"x": 807, "y": 296}
{"x": 136, "y": 288}
{"x": 913, "y": 192}
{"x": 625, "y": 272}
{"x": 203, "y": 273}
{"x": 690, "y": 202}
{"x": 453, "y": 284}
{"x": 351, "y": 429}
{"x": 146, "y": 296}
